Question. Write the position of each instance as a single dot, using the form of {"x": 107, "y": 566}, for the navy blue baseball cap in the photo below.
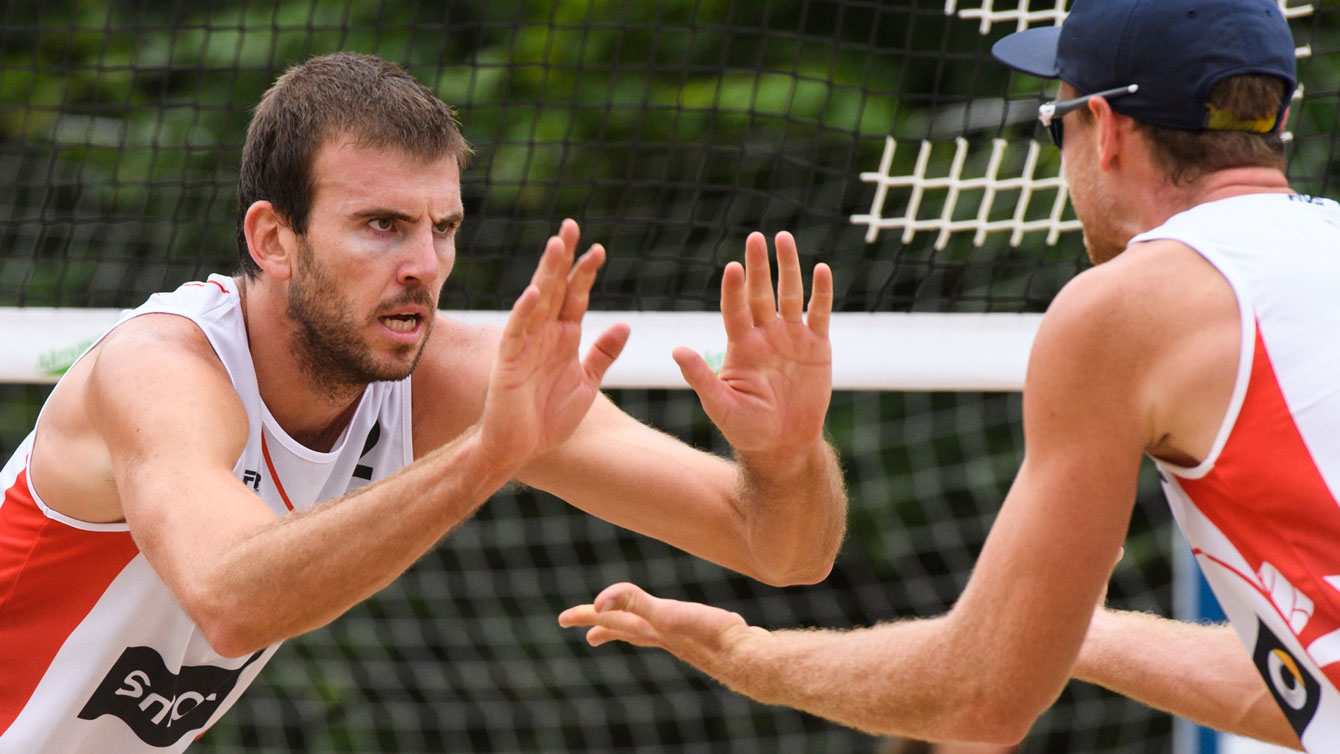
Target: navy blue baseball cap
{"x": 1173, "y": 50}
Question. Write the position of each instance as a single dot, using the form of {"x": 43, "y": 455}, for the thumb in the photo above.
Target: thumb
{"x": 606, "y": 348}
{"x": 700, "y": 376}
{"x": 625, "y": 597}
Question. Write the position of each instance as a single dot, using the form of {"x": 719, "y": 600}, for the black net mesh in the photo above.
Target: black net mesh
{"x": 670, "y": 130}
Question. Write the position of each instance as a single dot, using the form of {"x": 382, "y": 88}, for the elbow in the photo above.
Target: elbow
{"x": 1003, "y": 727}
{"x": 229, "y": 641}
{"x": 997, "y": 713}
{"x": 803, "y": 570}
{"x": 224, "y": 626}
{"x": 810, "y": 574}
{"x": 807, "y": 563}
{"x": 961, "y": 716}
{"x": 1001, "y": 723}
{"x": 230, "y": 638}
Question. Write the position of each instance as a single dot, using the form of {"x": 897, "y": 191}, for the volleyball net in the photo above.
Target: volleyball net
{"x": 880, "y": 133}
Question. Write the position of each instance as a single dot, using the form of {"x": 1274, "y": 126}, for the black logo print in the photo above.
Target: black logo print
{"x": 161, "y": 706}
{"x": 1295, "y": 689}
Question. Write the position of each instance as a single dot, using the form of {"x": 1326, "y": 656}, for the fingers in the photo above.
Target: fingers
{"x": 735, "y": 302}
{"x": 821, "y": 300}
{"x": 628, "y": 597}
{"x": 691, "y": 631}
{"x": 609, "y": 626}
{"x": 749, "y": 301}
{"x": 551, "y": 276}
{"x": 570, "y": 233}
{"x": 605, "y": 350}
{"x": 620, "y": 626}
{"x": 622, "y": 596}
{"x": 564, "y": 286}
{"x": 790, "y": 288}
{"x": 519, "y": 323}
{"x": 579, "y": 281}
{"x": 758, "y": 279}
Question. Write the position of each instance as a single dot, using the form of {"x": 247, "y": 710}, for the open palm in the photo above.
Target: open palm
{"x": 773, "y": 389}
{"x": 539, "y": 389}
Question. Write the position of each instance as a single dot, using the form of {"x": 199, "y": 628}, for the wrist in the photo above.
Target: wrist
{"x": 491, "y": 468}
{"x": 746, "y": 661}
{"x": 784, "y": 464}
{"x": 777, "y": 470}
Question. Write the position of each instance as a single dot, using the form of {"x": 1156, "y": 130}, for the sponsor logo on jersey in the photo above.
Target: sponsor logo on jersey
{"x": 252, "y": 479}
{"x": 1295, "y": 689}
{"x": 364, "y": 471}
{"x": 161, "y": 706}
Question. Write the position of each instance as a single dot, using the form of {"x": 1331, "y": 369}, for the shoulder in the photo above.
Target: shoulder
{"x": 155, "y": 385}
{"x": 1152, "y": 292}
{"x": 1137, "y": 334}
{"x": 451, "y": 380}
{"x": 156, "y": 348}
{"x": 151, "y": 391}
{"x": 157, "y": 331}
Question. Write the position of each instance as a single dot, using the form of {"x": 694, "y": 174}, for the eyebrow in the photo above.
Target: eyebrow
{"x": 454, "y": 217}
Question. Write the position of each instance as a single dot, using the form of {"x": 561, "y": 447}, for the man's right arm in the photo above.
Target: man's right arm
{"x": 173, "y": 429}
{"x": 1200, "y": 672}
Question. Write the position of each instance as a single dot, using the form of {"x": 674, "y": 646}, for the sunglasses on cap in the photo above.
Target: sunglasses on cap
{"x": 1051, "y": 113}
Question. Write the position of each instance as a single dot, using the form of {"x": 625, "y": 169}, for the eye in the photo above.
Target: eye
{"x": 383, "y": 224}
{"x": 445, "y": 228}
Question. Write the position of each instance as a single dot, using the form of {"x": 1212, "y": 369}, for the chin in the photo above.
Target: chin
{"x": 401, "y": 367}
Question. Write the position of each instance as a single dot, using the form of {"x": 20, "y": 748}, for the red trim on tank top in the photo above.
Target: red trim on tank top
{"x": 202, "y": 285}
{"x": 51, "y": 576}
{"x": 1267, "y": 496}
{"x": 265, "y": 451}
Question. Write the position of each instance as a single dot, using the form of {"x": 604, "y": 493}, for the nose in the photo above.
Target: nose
{"x": 421, "y": 263}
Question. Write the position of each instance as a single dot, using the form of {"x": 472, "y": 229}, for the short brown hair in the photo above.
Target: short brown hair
{"x": 1187, "y": 155}
{"x": 375, "y": 101}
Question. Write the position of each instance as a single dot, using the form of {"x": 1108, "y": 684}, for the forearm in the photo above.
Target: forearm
{"x": 795, "y": 512}
{"x": 311, "y": 566}
{"x": 1200, "y": 672}
{"x": 911, "y": 679}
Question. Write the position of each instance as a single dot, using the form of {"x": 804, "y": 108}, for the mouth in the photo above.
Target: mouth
{"x": 401, "y": 323}
{"x": 405, "y": 324}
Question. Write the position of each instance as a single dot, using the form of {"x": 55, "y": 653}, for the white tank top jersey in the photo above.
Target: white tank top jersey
{"x": 1261, "y": 512}
{"x": 96, "y": 655}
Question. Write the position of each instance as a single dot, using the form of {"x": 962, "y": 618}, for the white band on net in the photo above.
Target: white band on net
{"x": 987, "y": 352}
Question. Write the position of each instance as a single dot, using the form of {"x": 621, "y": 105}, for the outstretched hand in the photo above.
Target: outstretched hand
{"x": 700, "y": 635}
{"x": 773, "y": 389}
{"x": 540, "y": 388}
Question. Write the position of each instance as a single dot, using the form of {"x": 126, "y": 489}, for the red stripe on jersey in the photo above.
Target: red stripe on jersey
{"x": 265, "y": 451}
{"x": 1266, "y": 494}
{"x": 202, "y": 285}
{"x": 51, "y": 576}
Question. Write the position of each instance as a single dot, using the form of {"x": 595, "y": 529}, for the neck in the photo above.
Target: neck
{"x": 1222, "y": 184}
{"x": 313, "y": 413}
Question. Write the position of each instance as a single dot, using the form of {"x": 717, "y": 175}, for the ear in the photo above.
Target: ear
{"x": 1284, "y": 120}
{"x": 270, "y": 240}
{"x": 1114, "y": 131}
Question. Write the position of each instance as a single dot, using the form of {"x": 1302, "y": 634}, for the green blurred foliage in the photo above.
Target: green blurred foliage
{"x": 671, "y": 129}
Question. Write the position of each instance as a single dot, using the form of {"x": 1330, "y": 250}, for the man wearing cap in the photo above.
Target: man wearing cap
{"x": 1204, "y": 339}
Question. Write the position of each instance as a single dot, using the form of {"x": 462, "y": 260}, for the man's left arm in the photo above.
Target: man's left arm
{"x": 1197, "y": 671}
{"x": 778, "y": 512}
{"x": 1001, "y": 656}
